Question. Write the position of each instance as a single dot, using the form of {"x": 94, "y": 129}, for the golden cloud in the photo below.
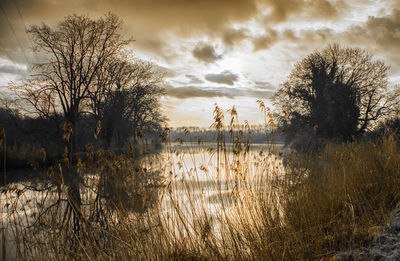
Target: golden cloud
{"x": 151, "y": 22}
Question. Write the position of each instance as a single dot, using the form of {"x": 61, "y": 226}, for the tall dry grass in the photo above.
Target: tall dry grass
{"x": 345, "y": 193}
{"x": 317, "y": 205}
{"x": 226, "y": 203}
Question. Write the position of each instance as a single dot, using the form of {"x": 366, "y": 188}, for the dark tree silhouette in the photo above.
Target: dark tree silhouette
{"x": 73, "y": 54}
{"x": 337, "y": 93}
{"x": 87, "y": 69}
{"x": 132, "y": 105}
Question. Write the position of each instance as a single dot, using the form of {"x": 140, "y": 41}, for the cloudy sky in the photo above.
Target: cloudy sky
{"x": 230, "y": 52}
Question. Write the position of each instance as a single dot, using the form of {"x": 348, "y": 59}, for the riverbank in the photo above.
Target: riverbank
{"x": 384, "y": 246}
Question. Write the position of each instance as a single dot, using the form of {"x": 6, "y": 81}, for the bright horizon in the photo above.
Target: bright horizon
{"x": 224, "y": 52}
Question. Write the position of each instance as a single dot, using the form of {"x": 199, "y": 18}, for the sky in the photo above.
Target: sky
{"x": 229, "y": 52}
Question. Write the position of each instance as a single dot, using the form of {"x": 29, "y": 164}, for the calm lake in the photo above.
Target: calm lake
{"x": 203, "y": 180}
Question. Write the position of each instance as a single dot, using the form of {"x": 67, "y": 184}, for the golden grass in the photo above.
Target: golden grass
{"x": 346, "y": 192}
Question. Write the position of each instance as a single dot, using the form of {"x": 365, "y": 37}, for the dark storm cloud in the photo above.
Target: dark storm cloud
{"x": 193, "y": 79}
{"x": 265, "y": 41}
{"x": 320, "y": 39}
{"x": 384, "y": 30}
{"x": 225, "y": 77}
{"x": 324, "y": 9}
{"x": 283, "y": 10}
{"x": 289, "y": 35}
{"x": 381, "y": 34}
{"x": 210, "y": 92}
{"x": 262, "y": 85}
{"x": 194, "y": 92}
{"x": 232, "y": 36}
{"x": 205, "y": 53}
{"x": 150, "y": 43}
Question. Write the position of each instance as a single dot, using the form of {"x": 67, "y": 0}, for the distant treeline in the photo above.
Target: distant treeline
{"x": 254, "y": 134}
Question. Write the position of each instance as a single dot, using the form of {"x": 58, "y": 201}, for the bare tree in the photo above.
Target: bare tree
{"x": 74, "y": 54}
{"x": 336, "y": 93}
